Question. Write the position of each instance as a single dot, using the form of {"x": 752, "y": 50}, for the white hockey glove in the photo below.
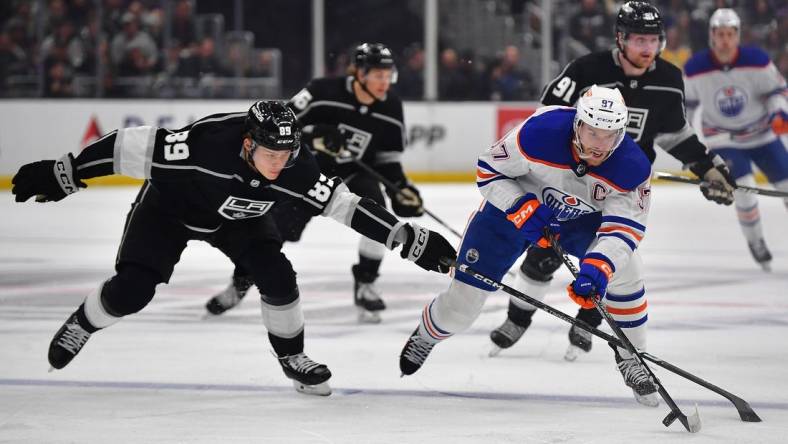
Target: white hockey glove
{"x": 718, "y": 184}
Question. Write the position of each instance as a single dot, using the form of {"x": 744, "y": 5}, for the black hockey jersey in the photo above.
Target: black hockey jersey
{"x": 375, "y": 133}
{"x": 199, "y": 176}
{"x": 655, "y": 101}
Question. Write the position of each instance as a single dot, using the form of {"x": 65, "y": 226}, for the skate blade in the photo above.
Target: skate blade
{"x": 766, "y": 266}
{"x": 573, "y": 352}
{"x": 322, "y": 389}
{"x": 650, "y": 400}
{"x": 51, "y": 369}
{"x": 494, "y": 351}
{"x": 368, "y": 317}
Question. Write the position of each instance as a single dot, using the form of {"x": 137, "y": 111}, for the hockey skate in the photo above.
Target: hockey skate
{"x": 308, "y": 376}
{"x": 366, "y": 297}
{"x": 506, "y": 336}
{"x": 230, "y": 297}
{"x": 643, "y": 387}
{"x": 579, "y": 342}
{"x": 69, "y": 340}
{"x": 761, "y": 254}
{"x": 414, "y": 353}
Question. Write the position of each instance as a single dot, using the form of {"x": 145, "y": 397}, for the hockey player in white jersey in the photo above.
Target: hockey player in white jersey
{"x": 744, "y": 111}
{"x": 576, "y": 172}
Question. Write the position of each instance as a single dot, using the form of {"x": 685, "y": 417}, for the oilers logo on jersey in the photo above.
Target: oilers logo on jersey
{"x": 730, "y": 100}
{"x": 565, "y": 206}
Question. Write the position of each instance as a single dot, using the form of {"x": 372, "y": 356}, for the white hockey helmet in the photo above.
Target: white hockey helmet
{"x": 601, "y": 108}
{"x": 724, "y": 18}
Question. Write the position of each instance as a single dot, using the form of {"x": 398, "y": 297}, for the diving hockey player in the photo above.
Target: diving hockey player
{"x": 654, "y": 93}
{"x": 744, "y": 111}
{"x": 349, "y": 119}
{"x": 215, "y": 180}
{"x": 574, "y": 168}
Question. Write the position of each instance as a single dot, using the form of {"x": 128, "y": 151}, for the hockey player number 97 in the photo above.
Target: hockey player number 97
{"x": 564, "y": 89}
{"x": 176, "y": 149}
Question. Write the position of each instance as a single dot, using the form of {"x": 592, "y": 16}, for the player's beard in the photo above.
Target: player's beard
{"x": 640, "y": 61}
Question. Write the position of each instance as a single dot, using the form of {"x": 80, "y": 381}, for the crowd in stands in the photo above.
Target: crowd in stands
{"x": 121, "y": 48}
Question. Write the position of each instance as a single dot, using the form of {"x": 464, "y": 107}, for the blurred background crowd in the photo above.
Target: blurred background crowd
{"x": 488, "y": 49}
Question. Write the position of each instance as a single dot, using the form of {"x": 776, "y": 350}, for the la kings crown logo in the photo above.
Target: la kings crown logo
{"x": 637, "y": 122}
{"x": 356, "y": 141}
{"x": 238, "y": 208}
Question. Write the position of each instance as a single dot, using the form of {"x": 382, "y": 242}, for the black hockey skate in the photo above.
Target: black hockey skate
{"x": 366, "y": 297}
{"x": 638, "y": 380}
{"x": 761, "y": 254}
{"x": 579, "y": 342}
{"x": 308, "y": 376}
{"x": 414, "y": 353}
{"x": 69, "y": 340}
{"x": 506, "y": 335}
{"x": 230, "y": 297}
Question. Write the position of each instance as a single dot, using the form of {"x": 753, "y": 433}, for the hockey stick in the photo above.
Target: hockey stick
{"x": 746, "y": 413}
{"x": 345, "y": 154}
{"x": 691, "y": 423}
{"x": 744, "y": 188}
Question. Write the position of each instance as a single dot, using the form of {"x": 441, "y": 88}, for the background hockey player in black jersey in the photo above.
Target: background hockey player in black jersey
{"x": 215, "y": 180}
{"x": 349, "y": 120}
{"x": 653, "y": 90}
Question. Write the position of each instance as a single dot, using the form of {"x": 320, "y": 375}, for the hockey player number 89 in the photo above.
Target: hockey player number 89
{"x": 176, "y": 149}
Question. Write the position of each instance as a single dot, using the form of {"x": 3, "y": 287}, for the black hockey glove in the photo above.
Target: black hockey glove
{"x": 407, "y": 203}
{"x": 718, "y": 184}
{"x": 48, "y": 180}
{"x": 328, "y": 138}
{"x": 428, "y": 249}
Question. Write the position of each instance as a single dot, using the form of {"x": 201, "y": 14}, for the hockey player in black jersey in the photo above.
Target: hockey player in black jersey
{"x": 653, "y": 90}
{"x": 215, "y": 180}
{"x": 349, "y": 119}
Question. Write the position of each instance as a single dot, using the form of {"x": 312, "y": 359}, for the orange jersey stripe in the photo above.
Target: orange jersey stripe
{"x": 481, "y": 174}
{"x": 621, "y": 228}
{"x": 627, "y": 311}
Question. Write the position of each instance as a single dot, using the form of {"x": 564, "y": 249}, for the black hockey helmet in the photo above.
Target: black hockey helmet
{"x": 273, "y": 125}
{"x": 640, "y": 18}
{"x": 374, "y": 55}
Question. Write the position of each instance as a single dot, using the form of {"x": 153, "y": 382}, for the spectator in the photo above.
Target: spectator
{"x": 452, "y": 85}
{"x": 201, "y": 62}
{"x": 675, "y": 52}
{"x": 183, "y": 26}
{"x": 508, "y": 80}
{"x": 262, "y": 64}
{"x": 410, "y": 82}
{"x": 133, "y": 51}
{"x": 591, "y": 26}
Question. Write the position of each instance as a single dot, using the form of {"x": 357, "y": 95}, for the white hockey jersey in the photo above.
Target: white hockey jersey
{"x": 737, "y": 99}
{"x": 537, "y": 157}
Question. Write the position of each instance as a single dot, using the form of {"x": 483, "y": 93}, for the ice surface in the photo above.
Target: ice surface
{"x": 167, "y": 375}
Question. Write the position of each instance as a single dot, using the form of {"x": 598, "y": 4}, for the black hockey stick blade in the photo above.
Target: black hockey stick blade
{"x": 682, "y": 179}
{"x": 746, "y": 413}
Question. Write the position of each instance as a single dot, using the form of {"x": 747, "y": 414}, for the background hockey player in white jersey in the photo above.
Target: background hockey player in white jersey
{"x": 574, "y": 171}
{"x": 654, "y": 93}
{"x": 744, "y": 112}
{"x": 214, "y": 181}
{"x": 350, "y": 119}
